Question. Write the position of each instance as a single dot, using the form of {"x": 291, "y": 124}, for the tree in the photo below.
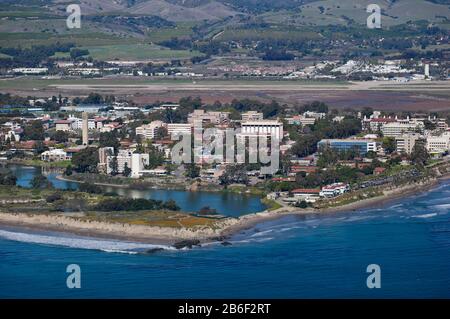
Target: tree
{"x": 39, "y": 181}
{"x": 234, "y": 174}
{"x": 7, "y": 177}
{"x": 327, "y": 157}
{"x": 156, "y": 157}
{"x": 34, "y": 131}
{"x": 109, "y": 139}
{"x": 389, "y": 144}
{"x": 126, "y": 170}
{"x": 90, "y": 188}
{"x": 419, "y": 154}
{"x": 171, "y": 205}
{"x": 161, "y": 132}
{"x": 61, "y": 136}
{"x": 429, "y": 125}
{"x": 86, "y": 160}
{"x": 69, "y": 170}
{"x": 114, "y": 165}
{"x": 192, "y": 170}
{"x": 303, "y": 204}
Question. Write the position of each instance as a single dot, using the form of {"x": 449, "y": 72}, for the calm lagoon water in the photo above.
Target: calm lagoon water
{"x": 228, "y": 204}
{"x": 292, "y": 257}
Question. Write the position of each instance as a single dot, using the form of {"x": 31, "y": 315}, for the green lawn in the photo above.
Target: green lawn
{"x": 28, "y": 39}
{"x": 136, "y": 52}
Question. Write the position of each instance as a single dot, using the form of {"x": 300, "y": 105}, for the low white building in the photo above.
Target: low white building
{"x": 334, "y": 190}
{"x": 30, "y": 71}
{"x": 54, "y": 155}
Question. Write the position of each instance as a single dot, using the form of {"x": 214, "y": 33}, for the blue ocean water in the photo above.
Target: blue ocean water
{"x": 292, "y": 257}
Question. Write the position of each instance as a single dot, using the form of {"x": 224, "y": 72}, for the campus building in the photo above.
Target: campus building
{"x": 260, "y": 128}
{"x": 395, "y": 129}
{"x": 149, "y": 131}
{"x": 437, "y": 145}
{"x": 362, "y": 146}
{"x": 252, "y": 116}
{"x": 405, "y": 143}
{"x": 200, "y": 116}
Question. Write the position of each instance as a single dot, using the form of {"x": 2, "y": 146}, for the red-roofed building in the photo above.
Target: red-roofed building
{"x": 283, "y": 179}
{"x": 295, "y": 169}
{"x": 376, "y": 124}
{"x": 63, "y": 125}
{"x": 26, "y": 146}
{"x": 306, "y": 191}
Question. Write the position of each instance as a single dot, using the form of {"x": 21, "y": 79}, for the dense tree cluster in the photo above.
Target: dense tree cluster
{"x": 86, "y": 160}
{"x": 32, "y": 57}
{"x": 7, "y": 177}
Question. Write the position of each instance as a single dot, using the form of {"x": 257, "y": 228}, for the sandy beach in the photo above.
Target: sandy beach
{"x": 221, "y": 230}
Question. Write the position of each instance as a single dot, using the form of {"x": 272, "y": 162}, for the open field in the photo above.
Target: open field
{"x": 423, "y": 95}
{"x": 137, "y": 52}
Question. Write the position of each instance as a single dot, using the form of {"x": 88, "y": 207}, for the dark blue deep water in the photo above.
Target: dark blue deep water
{"x": 293, "y": 257}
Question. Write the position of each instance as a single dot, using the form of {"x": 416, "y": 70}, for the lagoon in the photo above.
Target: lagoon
{"x": 227, "y": 204}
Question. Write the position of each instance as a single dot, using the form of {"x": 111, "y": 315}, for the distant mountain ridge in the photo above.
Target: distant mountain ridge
{"x": 301, "y": 12}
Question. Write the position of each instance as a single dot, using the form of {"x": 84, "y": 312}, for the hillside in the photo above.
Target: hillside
{"x": 299, "y": 12}
{"x": 188, "y": 26}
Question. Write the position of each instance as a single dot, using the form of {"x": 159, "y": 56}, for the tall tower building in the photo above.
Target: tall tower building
{"x": 427, "y": 70}
{"x": 85, "y": 129}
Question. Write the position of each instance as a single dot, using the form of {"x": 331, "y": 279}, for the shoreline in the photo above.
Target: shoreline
{"x": 222, "y": 230}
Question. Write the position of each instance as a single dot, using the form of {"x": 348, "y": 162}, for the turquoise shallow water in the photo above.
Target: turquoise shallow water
{"x": 293, "y": 257}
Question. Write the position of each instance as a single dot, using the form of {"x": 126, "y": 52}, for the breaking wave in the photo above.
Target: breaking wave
{"x": 105, "y": 245}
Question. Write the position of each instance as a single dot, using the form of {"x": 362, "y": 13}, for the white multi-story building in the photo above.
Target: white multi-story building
{"x": 123, "y": 157}
{"x": 135, "y": 162}
{"x": 405, "y": 142}
{"x": 252, "y": 116}
{"x": 177, "y": 128}
{"x": 266, "y": 127}
{"x": 103, "y": 154}
{"x": 93, "y": 124}
{"x": 395, "y": 129}
{"x": 200, "y": 116}
{"x": 138, "y": 163}
{"x": 438, "y": 144}
{"x": 149, "y": 131}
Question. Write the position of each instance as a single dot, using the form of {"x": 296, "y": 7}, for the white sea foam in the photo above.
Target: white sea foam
{"x": 262, "y": 233}
{"x": 80, "y": 242}
{"x": 425, "y": 215}
{"x": 442, "y": 206}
